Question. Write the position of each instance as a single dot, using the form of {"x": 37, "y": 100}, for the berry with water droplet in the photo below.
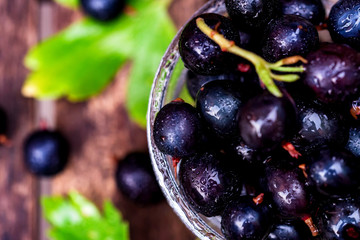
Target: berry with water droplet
{"x": 343, "y": 23}
{"x": 208, "y": 182}
{"x": 333, "y": 73}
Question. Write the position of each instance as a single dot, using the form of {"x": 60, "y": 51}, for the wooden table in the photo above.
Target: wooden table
{"x": 98, "y": 129}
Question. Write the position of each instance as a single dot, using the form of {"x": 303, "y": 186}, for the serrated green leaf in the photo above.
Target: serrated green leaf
{"x": 69, "y": 3}
{"x": 84, "y": 206}
{"x": 58, "y": 212}
{"x": 152, "y": 37}
{"x": 80, "y": 61}
{"x": 88, "y": 223}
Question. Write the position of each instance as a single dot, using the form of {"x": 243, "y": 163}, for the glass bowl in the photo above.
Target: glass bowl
{"x": 163, "y": 91}
{"x": 202, "y": 227}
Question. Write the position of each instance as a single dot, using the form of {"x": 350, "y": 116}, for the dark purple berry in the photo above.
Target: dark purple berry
{"x": 208, "y": 182}
{"x": 290, "y": 230}
{"x": 339, "y": 219}
{"x": 312, "y": 10}
{"x": 195, "y": 81}
{"x": 333, "y": 73}
{"x": 252, "y": 14}
{"x": 288, "y": 36}
{"x": 178, "y": 129}
{"x": 45, "y": 152}
{"x": 136, "y": 180}
{"x": 247, "y": 79}
{"x": 343, "y": 23}
{"x": 266, "y": 121}
{"x": 243, "y": 219}
{"x": 202, "y": 55}
{"x": 218, "y": 102}
{"x": 353, "y": 143}
{"x": 318, "y": 125}
{"x": 103, "y": 10}
{"x": 287, "y": 185}
{"x": 334, "y": 172}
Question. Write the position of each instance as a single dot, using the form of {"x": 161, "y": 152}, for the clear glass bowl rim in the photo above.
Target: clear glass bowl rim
{"x": 160, "y": 162}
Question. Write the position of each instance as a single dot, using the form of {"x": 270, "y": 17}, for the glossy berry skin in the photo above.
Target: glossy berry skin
{"x": 333, "y": 73}
{"x": 247, "y": 79}
{"x": 288, "y": 36}
{"x": 265, "y": 121}
{"x": 334, "y": 172}
{"x": 136, "y": 180}
{"x": 202, "y": 55}
{"x": 218, "y": 102}
{"x": 339, "y": 219}
{"x": 177, "y": 129}
{"x": 194, "y": 81}
{"x": 252, "y": 14}
{"x": 353, "y": 143}
{"x": 289, "y": 230}
{"x": 244, "y": 152}
{"x": 103, "y": 10}
{"x": 318, "y": 125}
{"x": 343, "y": 23}
{"x": 287, "y": 185}
{"x": 45, "y": 152}
{"x": 243, "y": 219}
{"x": 208, "y": 182}
{"x": 312, "y": 10}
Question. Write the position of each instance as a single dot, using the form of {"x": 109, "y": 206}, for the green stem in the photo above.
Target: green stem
{"x": 262, "y": 67}
{"x": 285, "y": 78}
{"x": 288, "y": 69}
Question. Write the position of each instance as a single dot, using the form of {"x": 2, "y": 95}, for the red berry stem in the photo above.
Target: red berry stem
{"x": 259, "y": 199}
{"x": 291, "y": 149}
{"x": 310, "y": 223}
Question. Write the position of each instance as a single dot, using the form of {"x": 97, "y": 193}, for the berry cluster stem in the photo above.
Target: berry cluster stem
{"x": 263, "y": 68}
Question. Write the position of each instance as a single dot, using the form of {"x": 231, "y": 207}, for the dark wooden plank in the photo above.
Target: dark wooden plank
{"x": 100, "y": 129}
{"x": 18, "y": 189}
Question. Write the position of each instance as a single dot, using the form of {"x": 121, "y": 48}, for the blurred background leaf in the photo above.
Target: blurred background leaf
{"x": 77, "y": 218}
{"x": 80, "y": 61}
{"x": 68, "y": 3}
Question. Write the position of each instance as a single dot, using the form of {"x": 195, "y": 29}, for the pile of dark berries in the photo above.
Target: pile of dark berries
{"x": 275, "y": 154}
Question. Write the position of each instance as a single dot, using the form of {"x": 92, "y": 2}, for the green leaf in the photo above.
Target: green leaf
{"x": 151, "y": 37}
{"x": 69, "y": 3}
{"x": 80, "y": 61}
{"x": 76, "y": 218}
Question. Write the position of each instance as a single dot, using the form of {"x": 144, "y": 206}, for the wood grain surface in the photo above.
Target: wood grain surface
{"x": 18, "y": 189}
{"x": 97, "y": 129}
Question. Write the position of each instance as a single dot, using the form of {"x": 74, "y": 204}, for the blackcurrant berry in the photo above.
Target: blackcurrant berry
{"x": 312, "y": 10}
{"x": 288, "y": 36}
{"x": 202, "y": 55}
{"x": 218, "y": 102}
{"x": 45, "y": 152}
{"x": 334, "y": 172}
{"x": 333, "y": 73}
{"x": 265, "y": 121}
{"x": 208, "y": 182}
{"x": 343, "y": 23}
{"x": 136, "y": 180}
{"x": 252, "y": 14}
{"x": 244, "y": 219}
{"x": 103, "y": 10}
{"x": 178, "y": 129}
